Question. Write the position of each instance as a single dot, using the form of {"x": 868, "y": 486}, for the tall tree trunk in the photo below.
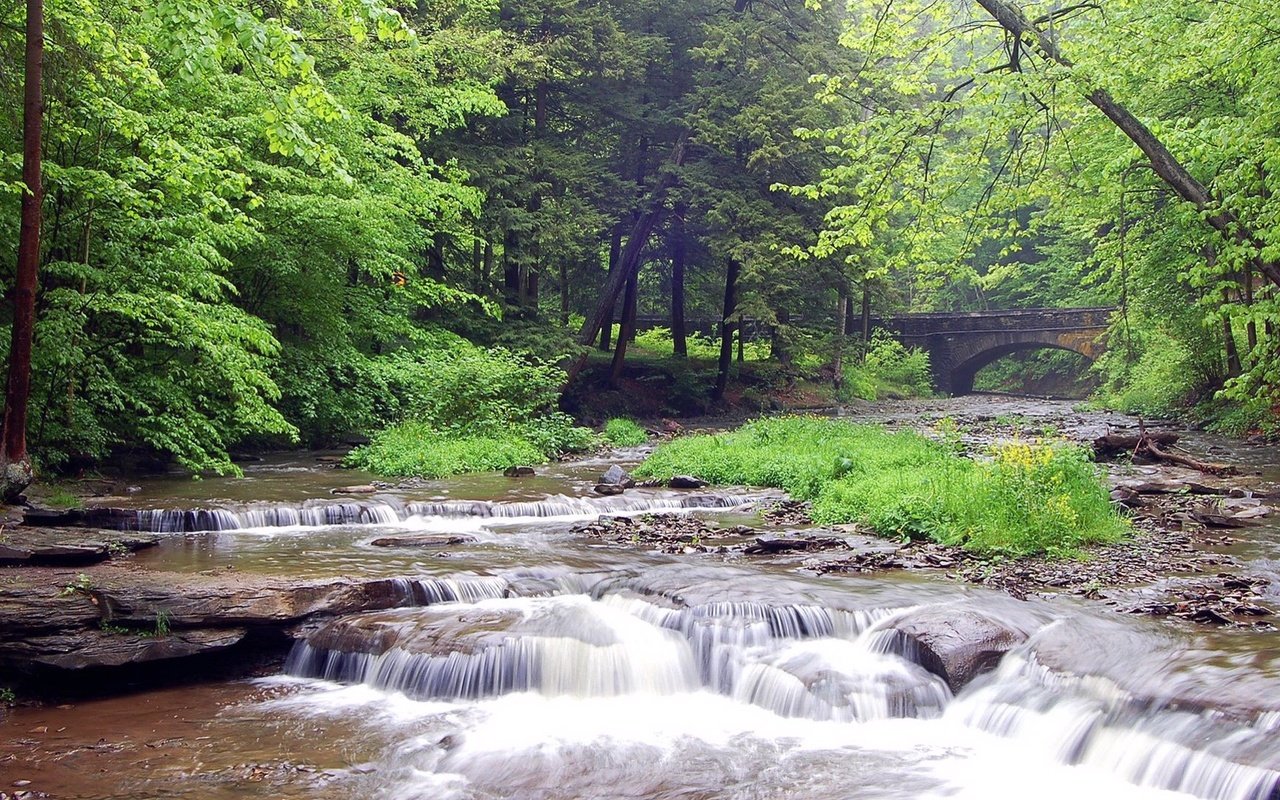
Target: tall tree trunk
{"x": 1251, "y": 329}
{"x": 778, "y": 350}
{"x": 742, "y": 332}
{"x": 679, "y": 335}
{"x": 626, "y": 331}
{"x": 435, "y": 258}
{"x": 850, "y": 319}
{"x": 1229, "y": 339}
{"x": 837, "y": 360}
{"x": 15, "y": 464}
{"x": 727, "y": 326}
{"x": 486, "y": 269}
{"x": 564, "y": 293}
{"x": 866, "y": 318}
{"x": 477, "y": 262}
{"x": 511, "y": 283}
{"x": 530, "y": 293}
{"x": 1163, "y": 162}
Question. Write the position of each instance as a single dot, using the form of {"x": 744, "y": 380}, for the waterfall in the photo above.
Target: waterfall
{"x": 1088, "y": 720}
{"x": 799, "y": 661}
{"x": 317, "y": 514}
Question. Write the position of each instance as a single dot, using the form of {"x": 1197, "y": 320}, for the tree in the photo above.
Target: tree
{"x": 15, "y": 463}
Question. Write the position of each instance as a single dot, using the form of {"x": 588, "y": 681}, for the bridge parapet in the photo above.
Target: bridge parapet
{"x": 918, "y": 325}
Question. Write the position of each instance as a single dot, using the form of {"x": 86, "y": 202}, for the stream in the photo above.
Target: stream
{"x": 532, "y": 661}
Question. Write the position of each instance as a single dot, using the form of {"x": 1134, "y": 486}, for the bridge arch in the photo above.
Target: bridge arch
{"x": 959, "y": 345}
{"x": 962, "y": 376}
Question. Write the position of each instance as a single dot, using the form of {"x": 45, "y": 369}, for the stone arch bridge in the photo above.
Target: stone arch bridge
{"x": 961, "y": 344}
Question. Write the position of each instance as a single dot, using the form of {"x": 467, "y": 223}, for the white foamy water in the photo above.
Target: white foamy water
{"x": 411, "y": 516}
{"x": 561, "y": 697}
{"x": 698, "y": 743}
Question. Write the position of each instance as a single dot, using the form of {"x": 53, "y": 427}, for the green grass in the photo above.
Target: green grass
{"x": 61, "y": 497}
{"x": 623, "y": 432}
{"x": 419, "y": 450}
{"x": 1027, "y": 499}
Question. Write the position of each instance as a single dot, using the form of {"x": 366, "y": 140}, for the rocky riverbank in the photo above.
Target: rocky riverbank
{"x": 74, "y": 602}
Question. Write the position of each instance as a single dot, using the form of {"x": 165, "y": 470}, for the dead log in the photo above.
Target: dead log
{"x": 1151, "y": 445}
{"x": 1152, "y": 450}
{"x": 1114, "y": 444}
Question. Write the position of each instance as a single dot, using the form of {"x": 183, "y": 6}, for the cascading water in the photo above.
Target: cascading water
{"x": 798, "y": 661}
{"x": 319, "y": 514}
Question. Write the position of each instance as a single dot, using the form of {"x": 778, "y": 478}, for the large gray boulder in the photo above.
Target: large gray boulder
{"x": 956, "y": 644}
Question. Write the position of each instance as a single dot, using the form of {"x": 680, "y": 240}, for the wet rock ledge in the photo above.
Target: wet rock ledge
{"x": 57, "y": 623}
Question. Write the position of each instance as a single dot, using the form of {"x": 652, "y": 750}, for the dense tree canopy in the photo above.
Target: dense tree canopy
{"x": 270, "y": 223}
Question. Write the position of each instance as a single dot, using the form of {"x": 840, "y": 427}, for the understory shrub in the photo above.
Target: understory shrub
{"x": 1027, "y": 498}
{"x": 418, "y": 449}
{"x": 658, "y": 341}
{"x": 624, "y": 432}
{"x": 891, "y": 370}
{"x": 471, "y": 409}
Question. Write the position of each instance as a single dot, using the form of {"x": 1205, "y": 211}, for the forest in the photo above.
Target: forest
{"x": 483, "y": 225}
{"x": 684, "y": 400}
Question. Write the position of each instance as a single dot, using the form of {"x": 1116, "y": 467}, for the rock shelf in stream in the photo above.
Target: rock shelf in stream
{"x": 111, "y": 615}
{"x": 324, "y": 513}
{"x": 67, "y": 546}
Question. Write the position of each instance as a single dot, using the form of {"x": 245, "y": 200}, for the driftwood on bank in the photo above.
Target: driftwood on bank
{"x": 1114, "y": 444}
{"x": 1153, "y": 446}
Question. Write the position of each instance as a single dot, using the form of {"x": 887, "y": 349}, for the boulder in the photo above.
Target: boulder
{"x": 617, "y": 476}
{"x": 686, "y": 482}
{"x": 519, "y": 472}
{"x": 609, "y": 489}
{"x": 362, "y": 489}
{"x": 956, "y": 644}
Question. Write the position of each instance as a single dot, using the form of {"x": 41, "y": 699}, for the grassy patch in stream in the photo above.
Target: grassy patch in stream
{"x": 623, "y": 432}
{"x": 421, "y": 450}
{"x": 1025, "y": 499}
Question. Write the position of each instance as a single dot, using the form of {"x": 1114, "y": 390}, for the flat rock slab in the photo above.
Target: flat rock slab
{"x": 426, "y": 540}
{"x": 110, "y": 615}
{"x": 114, "y": 648}
{"x": 67, "y": 546}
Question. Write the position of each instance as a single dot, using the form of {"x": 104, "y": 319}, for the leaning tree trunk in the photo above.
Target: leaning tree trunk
{"x": 615, "y": 252}
{"x": 15, "y": 464}
{"x": 727, "y": 327}
{"x": 1163, "y": 162}
{"x": 626, "y": 330}
{"x": 629, "y": 259}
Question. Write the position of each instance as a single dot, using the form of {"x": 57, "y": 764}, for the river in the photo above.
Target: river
{"x": 542, "y": 663}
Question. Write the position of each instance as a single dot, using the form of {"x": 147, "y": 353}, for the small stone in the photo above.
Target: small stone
{"x": 617, "y": 476}
{"x": 609, "y": 489}
{"x": 363, "y": 489}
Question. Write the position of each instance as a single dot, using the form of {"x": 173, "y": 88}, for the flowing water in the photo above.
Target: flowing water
{"x": 533, "y": 662}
